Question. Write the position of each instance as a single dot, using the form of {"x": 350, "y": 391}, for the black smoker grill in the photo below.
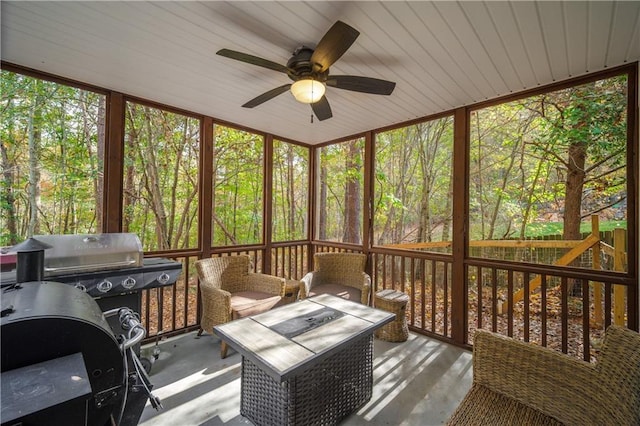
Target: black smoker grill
{"x": 92, "y": 280}
{"x": 62, "y": 363}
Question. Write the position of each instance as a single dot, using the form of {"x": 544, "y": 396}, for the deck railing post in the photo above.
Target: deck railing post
{"x": 596, "y": 264}
{"x": 619, "y": 291}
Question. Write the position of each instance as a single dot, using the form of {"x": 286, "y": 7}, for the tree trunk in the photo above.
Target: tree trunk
{"x": 529, "y": 199}
{"x": 321, "y": 211}
{"x": 152, "y": 183}
{"x": 574, "y": 184}
{"x": 7, "y": 199}
{"x": 573, "y": 200}
{"x": 98, "y": 183}
{"x": 406, "y": 172}
{"x": 506, "y": 175}
{"x": 182, "y": 210}
{"x": 426, "y": 157}
{"x": 573, "y": 188}
{"x": 446, "y": 223}
{"x": 352, "y": 208}
{"x": 290, "y": 188}
{"x": 130, "y": 193}
{"x": 429, "y": 139}
{"x": 35, "y": 136}
{"x": 65, "y": 199}
{"x": 478, "y": 182}
{"x": 173, "y": 235}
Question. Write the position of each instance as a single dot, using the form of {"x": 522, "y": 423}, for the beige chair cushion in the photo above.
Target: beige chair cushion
{"x": 344, "y": 291}
{"x": 247, "y": 303}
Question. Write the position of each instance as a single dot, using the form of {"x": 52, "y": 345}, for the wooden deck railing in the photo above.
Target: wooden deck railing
{"x": 562, "y": 314}
{"x": 173, "y": 309}
{"x": 568, "y": 312}
{"x": 426, "y": 278}
{"x": 176, "y": 309}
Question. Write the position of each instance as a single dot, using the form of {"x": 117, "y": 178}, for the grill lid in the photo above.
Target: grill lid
{"x": 90, "y": 252}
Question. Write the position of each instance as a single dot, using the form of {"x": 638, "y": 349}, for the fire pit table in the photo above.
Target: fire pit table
{"x": 306, "y": 363}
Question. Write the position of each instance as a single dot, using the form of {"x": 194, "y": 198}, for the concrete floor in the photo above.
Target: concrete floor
{"x": 418, "y": 382}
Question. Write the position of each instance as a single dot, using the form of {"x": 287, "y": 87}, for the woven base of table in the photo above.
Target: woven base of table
{"x": 394, "y": 302}
{"x": 322, "y": 395}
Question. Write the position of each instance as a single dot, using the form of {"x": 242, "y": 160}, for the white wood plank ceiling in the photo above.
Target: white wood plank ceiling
{"x": 442, "y": 55}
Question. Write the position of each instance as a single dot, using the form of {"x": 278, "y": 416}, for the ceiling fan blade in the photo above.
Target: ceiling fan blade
{"x": 253, "y": 60}
{"x": 266, "y": 96}
{"x": 322, "y": 109}
{"x": 333, "y": 45}
{"x": 361, "y": 84}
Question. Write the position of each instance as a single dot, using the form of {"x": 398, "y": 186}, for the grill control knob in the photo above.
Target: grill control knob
{"x": 129, "y": 283}
{"x": 81, "y": 287}
{"x": 164, "y": 278}
{"x": 104, "y": 286}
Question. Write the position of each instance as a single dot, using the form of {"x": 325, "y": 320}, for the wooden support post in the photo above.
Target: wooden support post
{"x": 267, "y": 212}
{"x": 205, "y": 217}
{"x": 114, "y": 164}
{"x": 619, "y": 291}
{"x": 459, "y": 296}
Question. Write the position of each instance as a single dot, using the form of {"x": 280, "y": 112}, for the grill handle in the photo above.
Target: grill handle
{"x": 90, "y": 267}
{"x": 128, "y": 321}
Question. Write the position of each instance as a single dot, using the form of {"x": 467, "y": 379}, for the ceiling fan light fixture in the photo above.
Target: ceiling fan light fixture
{"x": 308, "y": 90}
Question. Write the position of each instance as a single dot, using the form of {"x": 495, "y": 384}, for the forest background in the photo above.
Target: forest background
{"x": 538, "y": 166}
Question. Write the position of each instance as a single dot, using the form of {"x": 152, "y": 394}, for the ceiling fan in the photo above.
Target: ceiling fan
{"x": 309, "y": 70}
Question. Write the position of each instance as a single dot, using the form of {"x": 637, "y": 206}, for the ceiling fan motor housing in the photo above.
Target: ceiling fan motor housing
{"x": 300, "y": 66}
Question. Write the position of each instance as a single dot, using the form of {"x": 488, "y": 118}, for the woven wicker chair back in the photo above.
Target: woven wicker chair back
{"x": 209, "y": 273}
{"x": 227, "y": 273}
{"x": 340, "y": 268}
{"x": 236, "y": 273}
{"x": 618, "y": 369}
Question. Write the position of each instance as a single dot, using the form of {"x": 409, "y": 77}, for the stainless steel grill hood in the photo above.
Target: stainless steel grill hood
{"x": 87, "y": 253}
{"x": 103, "y": 265}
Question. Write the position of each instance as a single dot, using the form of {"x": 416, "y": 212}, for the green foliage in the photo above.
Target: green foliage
{"x": 341, "y": 163}
{"x": 161, "y": 177}
{"x": 522, "y": 152}
{"x": 290, "y": 191}
{"x": 58, "y": 128}
{"x": 413, "y": 183}
{"x": 238, "y": 187}
{"x": 538, "y": 230}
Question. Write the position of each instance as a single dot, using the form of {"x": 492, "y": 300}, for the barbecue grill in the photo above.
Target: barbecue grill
{"x": 109, "y": 267}
{"x": 71, "y": 336}
{"x": 103, "y": 265}
{"x": 62, "y": 363}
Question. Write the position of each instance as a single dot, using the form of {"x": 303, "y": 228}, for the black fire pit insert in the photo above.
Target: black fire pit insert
{"x": 298, "y": 325}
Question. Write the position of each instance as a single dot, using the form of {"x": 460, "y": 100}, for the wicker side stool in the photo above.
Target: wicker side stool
{"x": 396, "y": 303}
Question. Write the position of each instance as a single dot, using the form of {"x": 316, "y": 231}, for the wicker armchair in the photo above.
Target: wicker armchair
{"x": 340, "y": 274}
{"x": 229, "y": 291}
{"x": 521, "y": 383}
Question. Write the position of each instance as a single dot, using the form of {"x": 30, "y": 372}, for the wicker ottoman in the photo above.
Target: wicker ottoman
{"x": 396, "y": 303}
